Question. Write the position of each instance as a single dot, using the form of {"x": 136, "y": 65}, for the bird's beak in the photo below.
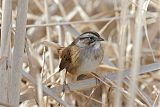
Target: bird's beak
{"x": 100, "y": 39}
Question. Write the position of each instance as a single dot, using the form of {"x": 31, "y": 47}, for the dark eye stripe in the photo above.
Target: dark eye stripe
{"x": 84, "y": 38}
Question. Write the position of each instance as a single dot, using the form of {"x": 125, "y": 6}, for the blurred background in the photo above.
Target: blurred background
{"x": 131, "y": 29}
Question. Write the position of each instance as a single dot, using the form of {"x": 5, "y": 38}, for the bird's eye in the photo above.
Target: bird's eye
{"x": 92, "y": 38}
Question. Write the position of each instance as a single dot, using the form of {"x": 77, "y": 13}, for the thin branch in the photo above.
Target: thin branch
{"x": 88, "y": 83}
{"x": 79, "y": 22}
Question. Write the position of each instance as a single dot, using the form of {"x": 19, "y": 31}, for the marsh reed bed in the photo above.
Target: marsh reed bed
{"x": 32, "y": 31}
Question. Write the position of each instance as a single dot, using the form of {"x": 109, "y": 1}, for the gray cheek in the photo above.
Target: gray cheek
{"x": 80, "y": 44}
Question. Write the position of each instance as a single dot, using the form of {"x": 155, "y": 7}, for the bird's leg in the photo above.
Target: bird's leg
{"x": 64, "y": 83}
{"x": 96, "y": 77}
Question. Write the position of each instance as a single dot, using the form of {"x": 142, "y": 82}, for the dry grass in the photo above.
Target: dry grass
{"x": 129, "y": 75}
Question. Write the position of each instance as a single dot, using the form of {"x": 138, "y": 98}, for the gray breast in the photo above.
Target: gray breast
{"x": 90, "y": 59}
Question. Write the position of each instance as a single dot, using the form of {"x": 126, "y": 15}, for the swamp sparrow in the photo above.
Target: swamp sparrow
{"x": 83, "y": 55}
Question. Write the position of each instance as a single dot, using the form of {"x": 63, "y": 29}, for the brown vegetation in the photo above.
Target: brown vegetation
{"x": 32, "y": 31}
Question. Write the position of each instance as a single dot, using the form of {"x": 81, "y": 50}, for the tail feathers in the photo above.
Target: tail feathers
{"x": 60, "y": 51}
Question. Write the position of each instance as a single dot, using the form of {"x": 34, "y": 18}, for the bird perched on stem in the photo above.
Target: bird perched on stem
{"x": 83, "y": 55}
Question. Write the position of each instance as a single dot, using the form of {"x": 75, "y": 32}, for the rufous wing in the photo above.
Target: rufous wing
{"x": 65, "y": 59}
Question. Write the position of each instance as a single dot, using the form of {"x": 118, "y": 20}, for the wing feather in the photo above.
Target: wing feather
{"x": 65, "y": 59}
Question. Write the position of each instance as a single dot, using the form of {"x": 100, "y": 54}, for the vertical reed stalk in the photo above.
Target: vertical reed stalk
{"x": 4, "y": 52}
{"x": 18, "y": 52}
{"x": 122, "y": 49}
{"x": 136, "y": 52}
{"x": 48, "y": 32}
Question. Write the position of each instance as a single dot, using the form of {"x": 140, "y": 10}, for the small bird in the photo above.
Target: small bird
{"x": 83, "y": 55}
